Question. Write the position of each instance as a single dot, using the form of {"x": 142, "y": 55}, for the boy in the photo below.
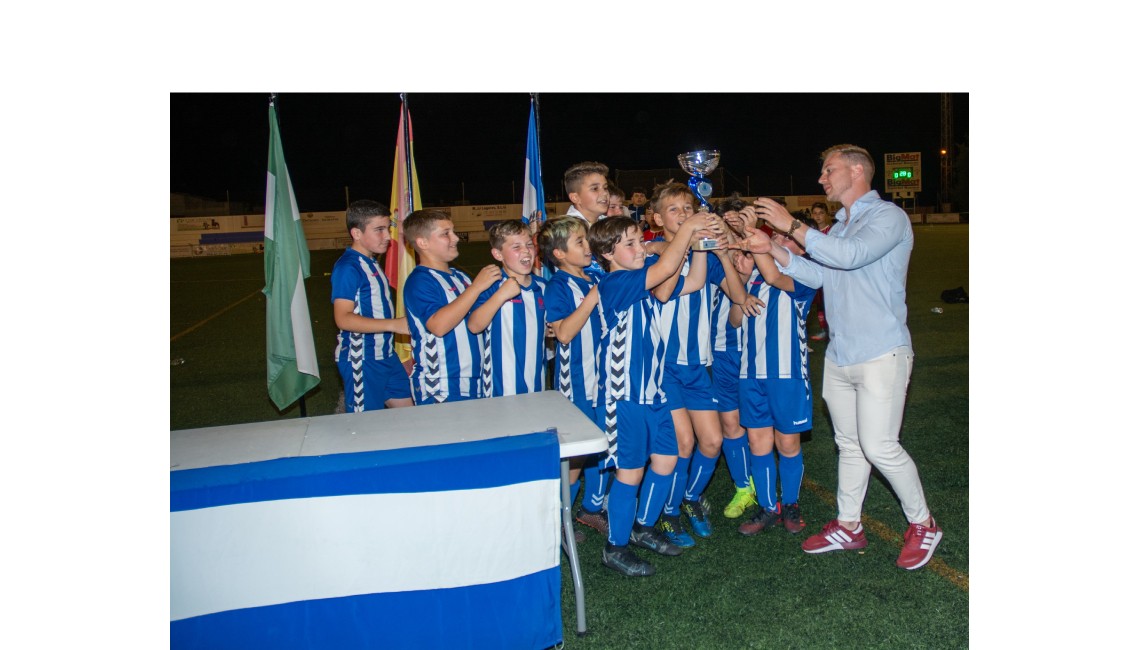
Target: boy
{"x": 588, "y": 191}
{"x": 775, "y": 385}
{"x": 636, "y": 418}
{"x": 512, "y": 314}
{"x": 437, "y": 298}
{"x": 686, "y": 333}
{"x": 372, "y": 373}
{"x": 637, "y": 202}
{"x": 616, "y": 201}
{"x": 726, "y": 367}
{"x": 574, "y": 314}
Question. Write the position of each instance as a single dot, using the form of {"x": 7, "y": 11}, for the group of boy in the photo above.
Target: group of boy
{"x": 681, "y": 349}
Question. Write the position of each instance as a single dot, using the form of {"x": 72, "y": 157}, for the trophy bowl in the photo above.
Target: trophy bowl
{"x": 699, "y": 163}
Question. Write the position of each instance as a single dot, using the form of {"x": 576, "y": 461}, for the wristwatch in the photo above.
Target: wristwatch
{"x": 796, "y": 223}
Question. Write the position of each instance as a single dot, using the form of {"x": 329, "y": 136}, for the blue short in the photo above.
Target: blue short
{"x": 689, "y": 387}
{"x": 642, "y": 429}
{"x": 379, "y": 382}
{"x": 781, "y": 403}
{"x": 726, "y": 380}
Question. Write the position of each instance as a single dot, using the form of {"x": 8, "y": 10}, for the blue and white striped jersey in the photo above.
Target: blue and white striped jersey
{"x": 514, "y": 357}
{"x": 359, "y": 278}
{"x": 686, "y": 321}
{"x": 576, "y": 368}
{"x": 725, "y": 338}
{"x": 443, "y": 364}
{"x": 775, "y": 342}
{"x": 633, "y": 357}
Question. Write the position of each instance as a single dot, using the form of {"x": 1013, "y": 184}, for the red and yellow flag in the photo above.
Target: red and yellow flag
{"x": 400, "y": 258}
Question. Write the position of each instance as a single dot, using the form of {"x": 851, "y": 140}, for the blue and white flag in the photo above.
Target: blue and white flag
{"x": 444, "y": 546}
{"x": 534, "y": 199}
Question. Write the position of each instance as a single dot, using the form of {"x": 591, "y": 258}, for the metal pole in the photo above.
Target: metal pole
{"x": 346, "y": 201}
{"x": 408, "y": 152}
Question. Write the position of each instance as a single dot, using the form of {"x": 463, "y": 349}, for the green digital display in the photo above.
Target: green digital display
{"x": 903, "y": 173}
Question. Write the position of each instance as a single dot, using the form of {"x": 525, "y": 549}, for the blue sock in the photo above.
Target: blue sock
{"x": 735, "y": 452}
{"x": 623, "y": 504}
{"x": 791, "y": 475}
{"x": 677, "y": 489}
{"x": 700, "y": 473}
{"x": 595, "y": 483}
{"x": 764, "y": 476}
{"x": 653, "y": 490}
{"x": 574, "y": 491}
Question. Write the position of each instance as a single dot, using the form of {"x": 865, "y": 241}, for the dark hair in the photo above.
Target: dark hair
{"x": 499, "y": 232}
{"x": 420, "y": 223}
{"x": 615, "y": 190}
{"x": 555, "y": 234}
{"x": 638, "y": 190}
{"x": 605, "y": 234}
{"x": 572, "y": 179}
{"x": 359, "y": 212}
{"x": 731, "y": 203}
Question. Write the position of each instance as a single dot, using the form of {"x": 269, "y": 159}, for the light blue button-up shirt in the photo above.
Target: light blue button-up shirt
{"x": 863, "y": 260}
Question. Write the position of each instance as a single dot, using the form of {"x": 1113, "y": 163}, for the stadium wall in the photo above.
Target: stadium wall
{"x": 202, "y": 236}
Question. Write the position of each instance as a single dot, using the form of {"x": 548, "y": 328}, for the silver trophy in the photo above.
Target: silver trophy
{"x": 697, "y": 164}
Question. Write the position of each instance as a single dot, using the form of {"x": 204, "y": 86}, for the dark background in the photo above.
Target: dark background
{"x": 470, "y": 147}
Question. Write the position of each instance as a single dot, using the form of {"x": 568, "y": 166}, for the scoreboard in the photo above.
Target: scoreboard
{"x": 903, "y": 173}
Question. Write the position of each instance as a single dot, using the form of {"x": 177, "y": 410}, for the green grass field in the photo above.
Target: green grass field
{"x": 729, "y": 591}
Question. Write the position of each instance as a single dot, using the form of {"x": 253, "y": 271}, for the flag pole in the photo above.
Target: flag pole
{"x": 538, "y": 145}
{"x": 302, "y": 411}
{"x": 284, "y": 235}
{"x": 407, "y": 153}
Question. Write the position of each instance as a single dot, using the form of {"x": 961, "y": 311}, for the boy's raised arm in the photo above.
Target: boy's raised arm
{"x": 482, "y": 315}
{"x": 567, "y": 328}
{"x": 674, "y": 254}
{"x": 450, "y": 315}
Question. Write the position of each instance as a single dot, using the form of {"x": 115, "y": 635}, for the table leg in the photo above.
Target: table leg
{"x": 572, "y": 548}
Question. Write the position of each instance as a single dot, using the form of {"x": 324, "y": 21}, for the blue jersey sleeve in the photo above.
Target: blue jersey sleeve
{"x": 558, "y": 299}
{"x": 716, "y": 270}
{"x": 621, "y": 290}
{"x": 802, "y": 291}
{"x": 422, "y": 295}
{"x": 346, "y": 279}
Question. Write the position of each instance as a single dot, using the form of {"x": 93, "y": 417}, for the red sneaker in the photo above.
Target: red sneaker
{"x": 919, "y": 543}
{"x": 834, "y": 537}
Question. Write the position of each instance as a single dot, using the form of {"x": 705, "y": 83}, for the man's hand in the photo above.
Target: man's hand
{"x": 756, "y": 242}
{"x": 774, "y": 213}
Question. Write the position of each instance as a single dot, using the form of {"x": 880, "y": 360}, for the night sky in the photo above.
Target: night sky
{"x": 769, "y": 143}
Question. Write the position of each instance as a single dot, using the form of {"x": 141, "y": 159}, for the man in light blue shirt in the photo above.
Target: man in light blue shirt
{"x": 863, "y": 261}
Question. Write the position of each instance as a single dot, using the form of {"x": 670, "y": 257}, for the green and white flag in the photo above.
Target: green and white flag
{"x": 290, "y": 354}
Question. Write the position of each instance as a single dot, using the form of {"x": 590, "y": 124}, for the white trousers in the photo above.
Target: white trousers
{"x": 866, "y": 404}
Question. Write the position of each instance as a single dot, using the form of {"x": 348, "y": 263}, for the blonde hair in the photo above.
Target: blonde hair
{"x": 854, "y": 156}
{"x": 555, "y": 234}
